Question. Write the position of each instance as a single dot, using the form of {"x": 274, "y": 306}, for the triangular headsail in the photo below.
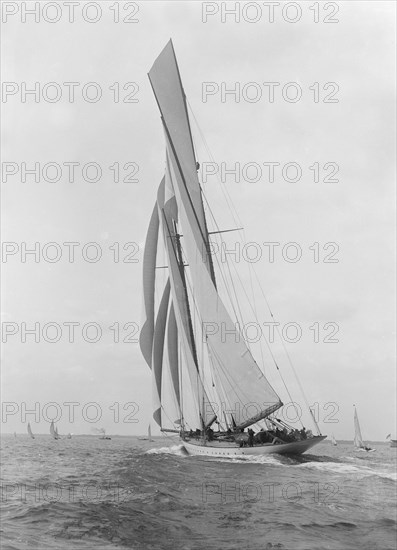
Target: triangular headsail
{"x": 54, "y": 430}
{"x": 358, "y": 438}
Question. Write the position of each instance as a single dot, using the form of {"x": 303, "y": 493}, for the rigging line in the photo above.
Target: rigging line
{"x": 231, "y": 278}
{"x": 253, "y": 309}
{"x": 225, "y": 192}
{"x": 269, "y": 348}
{"x": 223, "y": 188}
{"x": 238, "y": 315}
{"x": 276, "y": 364}
{"x": 235, "y": 216}
{"x": 232, "y": 283}
{"x": 190, "y": 285}
{"x": 182, "y": 175}
{"x": 228, "y": 377}
{"x": 198, "y": 316}
{"x": 285, "y": 348}
{"x": 223, "y": 275}
{"x": 232, "y": 209}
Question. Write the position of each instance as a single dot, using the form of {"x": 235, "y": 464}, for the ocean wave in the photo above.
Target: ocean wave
{"x": 386, "y": 475}
{"x": 342, "y": 468}
{"x": 262, "y": 459}
{"x": 176, "y": 450}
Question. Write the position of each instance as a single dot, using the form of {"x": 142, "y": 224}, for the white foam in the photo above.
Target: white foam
{"x": 387, "y": 475}
{"x": 261, "y": 459}
{"x": 348, "y": 469}
{"x": 177, "y": 450}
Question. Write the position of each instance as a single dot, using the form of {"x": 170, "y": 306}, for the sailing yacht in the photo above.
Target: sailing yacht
{"x": 333, "y": 440}
{"x": 200, "y": 379}
{"x": 54, "y": 431}
{"x": 30, "y": 431}
{"x": 149, "y": 435}
{"x": 359, "y": 444}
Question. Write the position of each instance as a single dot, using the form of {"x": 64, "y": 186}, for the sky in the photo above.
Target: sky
{"x": 332, "y": 110}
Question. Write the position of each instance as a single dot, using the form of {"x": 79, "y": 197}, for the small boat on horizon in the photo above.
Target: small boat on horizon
{"x": 149, "y": 435}
{"x": 29, "y": 431}
{"x": 359, "y": 444}
{"x": 54, "y": 431}
{"x": 333, "y": 440}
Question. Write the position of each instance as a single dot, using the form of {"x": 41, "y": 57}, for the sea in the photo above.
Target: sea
{"x": 125, "y": 493}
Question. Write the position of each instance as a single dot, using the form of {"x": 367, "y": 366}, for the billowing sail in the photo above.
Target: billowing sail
{"x": 149, "y": 270}
{"x": 358, "y": 438}
{"x": 30, "y": 431}
{"x": 172, "y": 346}
{"x": 181, "y": 304}
{"x": 158, "y": 351}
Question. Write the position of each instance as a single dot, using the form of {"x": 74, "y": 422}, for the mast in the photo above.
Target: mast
{"x": 183, "y": 277}
{"x": 177, "y": 249}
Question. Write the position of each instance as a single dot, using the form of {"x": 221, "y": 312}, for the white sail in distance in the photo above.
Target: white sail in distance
{"x": 358, "y": 438}
{"x": 30, "y": 431}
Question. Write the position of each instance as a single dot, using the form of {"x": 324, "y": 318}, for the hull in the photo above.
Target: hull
{"x": 393, "y": 443}
{"x": 224, "y": 449}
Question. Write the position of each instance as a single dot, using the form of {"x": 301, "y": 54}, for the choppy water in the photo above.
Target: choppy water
{"x": 125, "y": 493}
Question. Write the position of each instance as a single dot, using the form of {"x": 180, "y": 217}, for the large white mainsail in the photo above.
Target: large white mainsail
{"x": 243, "y": 385}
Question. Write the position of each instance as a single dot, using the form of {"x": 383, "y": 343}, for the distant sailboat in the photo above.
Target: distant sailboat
{"x": 149, "y": 435}
{"x": 30, "y": 431}
{"x": 54, "y": 431}
{"x": 358, "y": 438}
{"x": 69, "y": 436}
{"x": 333, "y": 440}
